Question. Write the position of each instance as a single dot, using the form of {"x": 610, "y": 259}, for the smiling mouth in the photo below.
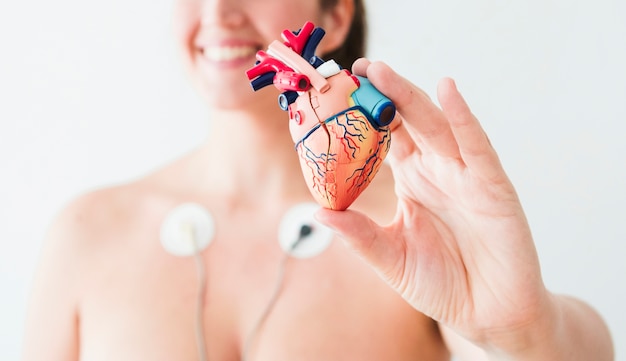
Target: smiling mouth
{"x": 228, "y": 53}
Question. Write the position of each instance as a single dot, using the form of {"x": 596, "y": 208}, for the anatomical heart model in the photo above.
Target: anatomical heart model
{"x": 338, "y": 121}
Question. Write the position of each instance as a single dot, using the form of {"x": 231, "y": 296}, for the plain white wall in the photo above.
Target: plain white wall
{"x": 91, "y": 93}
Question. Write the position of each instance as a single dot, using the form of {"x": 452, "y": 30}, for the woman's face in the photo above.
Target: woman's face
{"x": 219, "y": 39}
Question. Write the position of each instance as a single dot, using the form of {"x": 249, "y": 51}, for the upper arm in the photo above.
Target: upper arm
{"x": 460, "y": 348}
{"x": 52, "y": 321}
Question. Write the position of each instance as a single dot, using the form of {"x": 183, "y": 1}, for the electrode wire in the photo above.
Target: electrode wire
{"x": 189, "y": 231}
{"x": 305, "y": 231}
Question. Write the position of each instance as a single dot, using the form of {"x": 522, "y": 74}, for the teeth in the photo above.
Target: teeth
{"x": 228, "y": 53}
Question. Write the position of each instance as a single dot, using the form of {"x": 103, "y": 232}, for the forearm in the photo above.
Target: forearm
{"x": 571, "y": 331}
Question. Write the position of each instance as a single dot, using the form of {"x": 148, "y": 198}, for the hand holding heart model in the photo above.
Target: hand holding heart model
{"x": 338, "y": 121}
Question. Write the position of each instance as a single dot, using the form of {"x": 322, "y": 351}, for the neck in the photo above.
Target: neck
{"x": 252, "y": 156}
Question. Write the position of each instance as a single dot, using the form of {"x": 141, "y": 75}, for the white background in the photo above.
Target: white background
{"x": 91, "y": 93}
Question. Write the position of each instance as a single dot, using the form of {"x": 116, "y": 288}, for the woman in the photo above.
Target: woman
{"x": 453, "y": 271}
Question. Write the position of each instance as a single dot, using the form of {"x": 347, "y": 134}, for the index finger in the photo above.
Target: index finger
{"x": 424, "y": 121}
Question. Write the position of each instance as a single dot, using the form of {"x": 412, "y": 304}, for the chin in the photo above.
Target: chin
{"x": 235, "y": 98}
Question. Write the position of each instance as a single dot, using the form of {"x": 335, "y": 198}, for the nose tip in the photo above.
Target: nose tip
{"x": 226, "y": 13}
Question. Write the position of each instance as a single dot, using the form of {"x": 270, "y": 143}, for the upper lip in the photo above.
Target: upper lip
{"x": 228, "y": 45}
{"x": 205, "y": 42}
{"x": 228, "y": 53}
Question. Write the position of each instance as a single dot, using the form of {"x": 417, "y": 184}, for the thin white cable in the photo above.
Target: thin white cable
{"x": 268, "y": 309}
{"x": 188, "y": 232}
{"x": 188, "y": 229}
{"x": 305, "y": 231}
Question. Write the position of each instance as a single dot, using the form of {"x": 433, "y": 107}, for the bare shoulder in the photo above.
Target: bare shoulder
{"x": 96, "y": 214}
{"x": 113, "y": 219}
{"x": 108, "y": 212}
{"x": 78, "y": 221}
{"x": 92, "y": 211}
{"x": 90, "y": 227}
{"x": 91, "y": 221}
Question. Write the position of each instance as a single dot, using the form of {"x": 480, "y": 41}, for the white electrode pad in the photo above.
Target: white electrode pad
{"x": 187, "y": 230}
{"x": 289, "y": 232}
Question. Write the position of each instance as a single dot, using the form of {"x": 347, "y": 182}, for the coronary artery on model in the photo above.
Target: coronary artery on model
{"x": 338, "y": 121}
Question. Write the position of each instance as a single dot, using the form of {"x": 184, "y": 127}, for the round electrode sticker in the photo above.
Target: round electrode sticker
{"x": 187, "y": 230}
{"x": 301, "y": 244}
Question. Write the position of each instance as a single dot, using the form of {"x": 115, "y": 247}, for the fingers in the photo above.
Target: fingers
{"x": 360, "y": 66}
{"x": 424, "y": 121}
{"x": 366, "y": 237}
{"x": 403, "y": 145}
{"x": 474, "y": 146}
{"x": 450, "y": 131}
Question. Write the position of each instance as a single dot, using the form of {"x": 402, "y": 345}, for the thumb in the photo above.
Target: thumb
{"x": 375, "y": 244}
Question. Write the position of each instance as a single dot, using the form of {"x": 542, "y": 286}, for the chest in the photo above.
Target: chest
{"x": 145, "y": 306}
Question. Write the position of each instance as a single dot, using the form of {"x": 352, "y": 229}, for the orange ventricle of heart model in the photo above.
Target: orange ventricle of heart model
{"x": 339, "y": 122}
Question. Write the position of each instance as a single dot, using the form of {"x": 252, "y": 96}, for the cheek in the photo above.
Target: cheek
{"x": 185, "y": 21}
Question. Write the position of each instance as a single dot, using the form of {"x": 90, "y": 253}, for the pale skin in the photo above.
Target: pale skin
{"x": 452, "y": 269}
